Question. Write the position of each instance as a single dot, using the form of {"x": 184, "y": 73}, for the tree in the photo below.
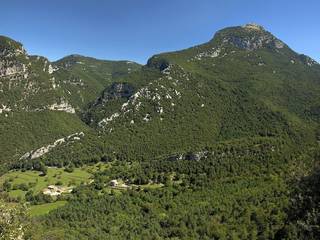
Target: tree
{"x": 106, "y": 158}
{"x": 42, "y": 168}
{"x": 6, "y": 186}
{"x": 13, "y": 221}
{"x": 29, "y": 196}
{"x": 69, "y": 168}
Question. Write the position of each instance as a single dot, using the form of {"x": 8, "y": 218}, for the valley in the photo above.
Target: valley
{"x": 216, "y": 141}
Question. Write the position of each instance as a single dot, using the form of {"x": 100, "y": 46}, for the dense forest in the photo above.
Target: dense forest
{"x": 235, "y": 191}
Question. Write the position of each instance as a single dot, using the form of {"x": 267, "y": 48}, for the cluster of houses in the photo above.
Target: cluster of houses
{"x": 53, "y": 190}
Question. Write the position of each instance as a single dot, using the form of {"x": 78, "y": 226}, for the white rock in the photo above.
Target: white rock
{"x": 5, "y": 108}
{"x": 63, "y": 106}
{"x": 160, "y": 110}
{"x": 279, "y": 44}
{"x": 50, "y": 69}
{"x": 43, "y": 150}
{"x": 147, "y": 118}
{"x": 105, "y": 121}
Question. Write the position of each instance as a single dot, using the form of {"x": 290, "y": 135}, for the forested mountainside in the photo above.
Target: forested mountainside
{"x": 218, "y": 141}
{"x": 243, "y": 83}
{"x": 40, "y": 101}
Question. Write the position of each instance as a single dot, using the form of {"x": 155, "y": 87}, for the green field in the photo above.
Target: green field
{"x": 55, "y": 176}
{"x": 38, "y": 182}
{"x": 38, "y": 210}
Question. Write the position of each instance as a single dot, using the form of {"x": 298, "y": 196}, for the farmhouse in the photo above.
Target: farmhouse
{"x": 53, "y": 190}
{"x": 114, "y": 183}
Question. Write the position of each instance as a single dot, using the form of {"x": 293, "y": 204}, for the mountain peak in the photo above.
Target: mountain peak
{"x": 253, "y": 26}
{"x": 248, "y": 37}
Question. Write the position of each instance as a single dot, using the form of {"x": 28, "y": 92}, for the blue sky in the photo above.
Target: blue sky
{"x": 137, "y": 29}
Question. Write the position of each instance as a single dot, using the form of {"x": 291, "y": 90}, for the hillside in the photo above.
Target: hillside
{"x": 84, "y": 78}
{"x": 40, "y": 101}
{"x": 243, "y": 83}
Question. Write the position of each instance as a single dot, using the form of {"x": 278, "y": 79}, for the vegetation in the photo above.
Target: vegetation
{"x": 218, "y": 141}
{"x": 20, "y": 184}
{"x": 218, "y": 197}
{"x": 43, "y": 209}
{"x": 303, "y": 216}
{"x": 13, "y": 221}
{"x": 85, "y": 78}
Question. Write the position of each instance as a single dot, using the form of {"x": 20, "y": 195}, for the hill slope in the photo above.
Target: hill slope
{"x": 243, "y": 83}
{"x": 39, "y": 99}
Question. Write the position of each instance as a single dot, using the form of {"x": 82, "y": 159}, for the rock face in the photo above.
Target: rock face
{"x": 10, "y": 66}
{"x": 28, "y": 81}
{"x": 119, "y": 90}
{"x": 116, "y": 91}
{"x": 10, "y": 48}
{"x": 12, "y": 69}
{"x": 249, "y": 37}
{"x": 62, "y": 106}
{"x": 43, "y": 150}
{"x": 253, "y": 26}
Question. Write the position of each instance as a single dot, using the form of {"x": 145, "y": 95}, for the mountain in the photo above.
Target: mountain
{"x": 243, "y": 83}
{"x": 84, "y": 78}
{"x": 217, "y": 141}
{"x": 181, "y": 101}
{"x": 39, "y": 99}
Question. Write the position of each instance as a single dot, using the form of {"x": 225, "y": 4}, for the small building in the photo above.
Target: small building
{"x": 114, "y": 183}
{"x": 53, "y": 190}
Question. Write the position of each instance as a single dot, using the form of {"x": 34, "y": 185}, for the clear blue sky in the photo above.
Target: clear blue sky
{"x": 137, "y": 29}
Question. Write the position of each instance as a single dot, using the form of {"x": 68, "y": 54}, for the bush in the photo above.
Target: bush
{"x": 69, "y": 169}
{"x": 7, "y": 186}
{"x": 23, "y": 187}
{"x": 59, "y": 183}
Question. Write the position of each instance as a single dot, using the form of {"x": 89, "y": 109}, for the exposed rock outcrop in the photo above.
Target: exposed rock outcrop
{"x": 10, "y": 48}
{"x": 4, "y": 108}
{"x": 62, "y": 106}
{"x": 253, "y": 26}
{"x": 116, "y": 91}
{"x": 249, "y": 37}
{"x": 119, "y": 90}
{"x": 43, "y": 150}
